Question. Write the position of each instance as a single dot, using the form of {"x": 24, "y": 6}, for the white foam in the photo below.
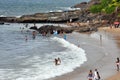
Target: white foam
{"x": 18, "y": 16}
{"x": 2, "y": 16}
{"x": 69, "y": 8}
{"x": 43, "y": 67}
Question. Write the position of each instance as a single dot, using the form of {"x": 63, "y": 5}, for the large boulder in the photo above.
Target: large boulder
{"x": 51, "y": 28}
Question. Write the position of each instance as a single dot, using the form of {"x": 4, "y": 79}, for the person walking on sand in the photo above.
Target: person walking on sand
{"x": 118, "y": 63}
{"x": 96, "y": 75}
{"x": 90, "y": 75}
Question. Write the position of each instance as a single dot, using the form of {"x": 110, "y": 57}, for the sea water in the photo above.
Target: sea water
{"x": 34, "y": 59}
{"x": 23, "y": 7}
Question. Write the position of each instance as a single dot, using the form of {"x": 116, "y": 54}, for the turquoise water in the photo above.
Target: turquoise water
{"x": 22, "y": 7}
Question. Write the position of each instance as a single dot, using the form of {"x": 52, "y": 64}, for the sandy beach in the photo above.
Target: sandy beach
{"x": 101, "y": 55}
{"x": 114, "y": 77}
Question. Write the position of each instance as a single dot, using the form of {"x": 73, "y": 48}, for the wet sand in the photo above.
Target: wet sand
{"x": 115, "y": 32}
{"x": 114, "y": 77}
{"x": 101, "y": 55}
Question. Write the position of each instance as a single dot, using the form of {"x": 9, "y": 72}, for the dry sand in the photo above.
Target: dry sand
{"x": 115, "y": 32}
{"x": 100, "y": 55}
{"x": 114, "y": 77}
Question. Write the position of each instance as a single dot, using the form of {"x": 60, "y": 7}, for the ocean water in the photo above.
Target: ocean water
{"x": 34, "y": 59}
{"x": 22, "y": 7}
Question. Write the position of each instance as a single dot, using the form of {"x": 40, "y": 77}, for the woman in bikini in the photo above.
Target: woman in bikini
{"x": 90, "y": 75}
{"x": 118, "y": 63}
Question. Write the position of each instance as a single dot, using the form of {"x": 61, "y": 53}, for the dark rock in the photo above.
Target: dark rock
{"x": 8, "y": 19}
{"x": 50, "y": 28}
{"x": 34, "y": 28}
{"x": 1, "y": 23}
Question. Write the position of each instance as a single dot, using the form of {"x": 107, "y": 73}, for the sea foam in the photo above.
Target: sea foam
{"x": 43, "y": 67}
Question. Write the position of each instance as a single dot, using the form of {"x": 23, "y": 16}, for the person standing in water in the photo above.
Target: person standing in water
{"x": 118, "y": 63}
{"x": 26, "y": 38}
{"x": 100, "y": 39}
{"x": 65, "y": 36}
{"x": 33, "y": 34}
{"x": 57, "y": 61}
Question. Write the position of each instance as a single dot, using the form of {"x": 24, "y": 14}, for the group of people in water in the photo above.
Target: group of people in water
{"x": 34, "y": 33}
{"x": 57, "y": 61}
{"x": 96, "y": 76}
{"x": 91, "y": 75}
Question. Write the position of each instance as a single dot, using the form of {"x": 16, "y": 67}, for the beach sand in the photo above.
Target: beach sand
{"x": 100, "y": 55}
{"x": 114, "y": 77}
{"x": 115, "y": 32}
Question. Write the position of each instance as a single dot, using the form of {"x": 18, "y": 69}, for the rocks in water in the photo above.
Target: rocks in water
{"x": 34, "y": 28}
{"x": 52, "y": 17}
{"x": 51, "y": 28}
{"x": 1, "y": 23}
{"x": 8, "y": 19}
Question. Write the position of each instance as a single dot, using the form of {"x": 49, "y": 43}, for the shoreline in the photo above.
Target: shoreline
{"x": 104, "y": 60}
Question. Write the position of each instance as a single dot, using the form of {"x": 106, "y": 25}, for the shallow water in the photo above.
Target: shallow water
{"x": 34, "y": 59}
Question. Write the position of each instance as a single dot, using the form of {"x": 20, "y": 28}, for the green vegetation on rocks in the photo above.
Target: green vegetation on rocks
{"x": 106, "y": 6}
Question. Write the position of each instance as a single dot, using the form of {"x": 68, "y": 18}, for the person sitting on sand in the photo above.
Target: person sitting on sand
{"x": 90, "y": 75}
{"x": 118, "y": 63}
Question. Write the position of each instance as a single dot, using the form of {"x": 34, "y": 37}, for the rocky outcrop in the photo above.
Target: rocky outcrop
{"x": 8, "y": 19}
{"x": 81, "y": 16}
{"x": 51, "y": 28}
{"x": 86, "y": 5}
{"x": 52, "y": 17}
